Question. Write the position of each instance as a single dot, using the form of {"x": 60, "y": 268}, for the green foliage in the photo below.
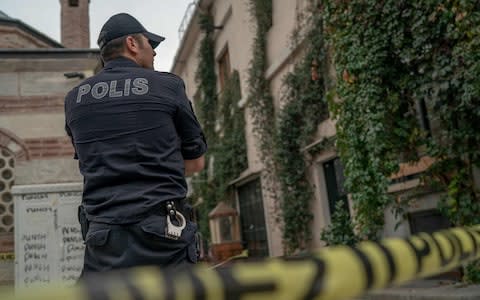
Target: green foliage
{"x": 460, "y": 204}
{"x": 297, "y": 121}
{"x": 206, "y": 79}
{"x": 375, "y": 119}
{"x": 230, "y": 154}
{"x": 389, "y": 56}
{"x": 260, "y": 100}
{"x": 305, "y": 108}
{"x": 227, "y": 150}
{"x": 471, "y": 273}
{"x": 340, "y": 231}
{"x": 206, "y": 106}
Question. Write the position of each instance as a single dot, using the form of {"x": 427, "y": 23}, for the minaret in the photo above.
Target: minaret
{"x": 75, "y": 23}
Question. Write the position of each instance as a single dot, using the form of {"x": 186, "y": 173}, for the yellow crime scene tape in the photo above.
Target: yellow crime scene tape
{"x": 338, "y": 272}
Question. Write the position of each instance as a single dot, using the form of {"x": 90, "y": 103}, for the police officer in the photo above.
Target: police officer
{"x": 136, "y": 138}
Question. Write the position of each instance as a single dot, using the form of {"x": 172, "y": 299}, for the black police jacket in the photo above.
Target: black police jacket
{"x": 131, "y": 128}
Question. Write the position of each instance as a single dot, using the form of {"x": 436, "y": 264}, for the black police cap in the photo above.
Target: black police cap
{"x": 124, "y": 24}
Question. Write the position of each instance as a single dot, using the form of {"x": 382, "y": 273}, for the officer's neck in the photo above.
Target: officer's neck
{"x": 130, "y": 57}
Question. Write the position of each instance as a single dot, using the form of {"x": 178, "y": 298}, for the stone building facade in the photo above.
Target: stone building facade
{"x": 36, "y": 72}
{"x": 233, "y": 40}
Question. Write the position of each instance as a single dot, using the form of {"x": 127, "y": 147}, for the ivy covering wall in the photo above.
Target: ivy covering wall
{"x": 305, "y": 108}
{"x": 260, "y": 100}
{"x": 376, "y": 117}
{"x": 226, "y": 156}
{"x": 206, "y": 107}
{"x": 282, "y": 137}
{"x": 389, "y": 56}
{"x": 388, "y": 59}
{"x": 394, "y": 61}
{"x": 231, "y": 151}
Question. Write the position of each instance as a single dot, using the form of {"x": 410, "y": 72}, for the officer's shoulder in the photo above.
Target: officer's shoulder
{"x": 169, "y": 77}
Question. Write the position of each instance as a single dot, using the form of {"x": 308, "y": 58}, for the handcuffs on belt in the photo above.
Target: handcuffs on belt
{"x": 174, "y": 231}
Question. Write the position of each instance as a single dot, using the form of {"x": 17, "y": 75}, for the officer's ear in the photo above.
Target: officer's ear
{"x": 132, "y": 45}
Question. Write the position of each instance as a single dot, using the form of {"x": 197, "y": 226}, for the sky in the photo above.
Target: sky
{"x": 162, "y": 17}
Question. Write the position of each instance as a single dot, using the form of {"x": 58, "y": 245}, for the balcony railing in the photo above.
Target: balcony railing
{"x": 187, "y": 17}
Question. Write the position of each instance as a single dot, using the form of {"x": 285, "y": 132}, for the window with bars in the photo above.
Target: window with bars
{"x": 334, "y": 180}
{"x": 7, "y": 176}
{"x": 252, "y": 217}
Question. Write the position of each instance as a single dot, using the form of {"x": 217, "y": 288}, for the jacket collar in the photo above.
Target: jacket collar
{"x": 121, "y": 62}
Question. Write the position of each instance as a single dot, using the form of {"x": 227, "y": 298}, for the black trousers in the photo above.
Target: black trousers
{"x": 109, "y": 247}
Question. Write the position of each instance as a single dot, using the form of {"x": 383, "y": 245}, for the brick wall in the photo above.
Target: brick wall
{"x": 49, "y": 147}
{"x": 27, "y": 104}
{"x": 75, "y": 24}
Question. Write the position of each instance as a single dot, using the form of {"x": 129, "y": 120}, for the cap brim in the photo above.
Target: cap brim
{"x": 154, "y": 39}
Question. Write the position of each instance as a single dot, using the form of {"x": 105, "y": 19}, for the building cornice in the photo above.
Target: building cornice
{"x": 56, "y": 53}
{"x": 27, "y": 28}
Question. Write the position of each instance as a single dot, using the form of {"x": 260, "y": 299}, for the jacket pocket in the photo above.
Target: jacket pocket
{"x": 154, "y": 226}
{"x": 97, "y": 238}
